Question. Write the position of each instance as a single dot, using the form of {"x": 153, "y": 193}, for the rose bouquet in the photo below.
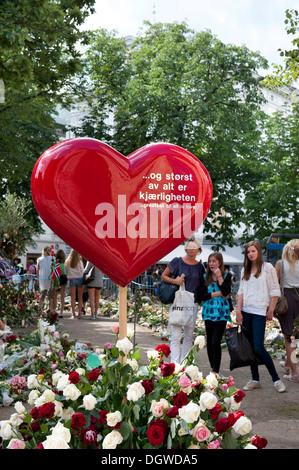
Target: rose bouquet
{"x": 121, "y": 404}
{"x": 41, "y": 353}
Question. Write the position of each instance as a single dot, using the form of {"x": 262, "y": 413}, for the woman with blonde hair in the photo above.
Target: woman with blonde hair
{"x": 257, "y": 298}
{"x": 193, "y": 274}
{"x": 290, "y": 276}
{"x": 74, "y": 270}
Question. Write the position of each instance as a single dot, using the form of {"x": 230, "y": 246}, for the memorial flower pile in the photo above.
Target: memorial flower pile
{"x": 119, "y": 404}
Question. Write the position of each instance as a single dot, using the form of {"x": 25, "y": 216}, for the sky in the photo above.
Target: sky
{"x": 257, "y": 24}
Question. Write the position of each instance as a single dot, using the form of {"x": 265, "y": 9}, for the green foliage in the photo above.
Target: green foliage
{"x": 176, "y": 85}
{"x": 15, "y": 228}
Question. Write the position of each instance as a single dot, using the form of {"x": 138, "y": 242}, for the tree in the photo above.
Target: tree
{"x": 16, "y": 232}
{"x": 174, "y": 84}
{"x": 38, "y": 44}
{"x": 272, "y": 205}
{"x": 287, "y": 74}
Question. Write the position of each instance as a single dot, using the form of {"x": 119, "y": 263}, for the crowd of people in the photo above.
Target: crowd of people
{"x": 258, "y": 293}
{"x": 211, "y": 283}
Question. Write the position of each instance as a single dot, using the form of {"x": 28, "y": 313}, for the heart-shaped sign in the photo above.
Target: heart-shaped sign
{"x": 123, "y": 214}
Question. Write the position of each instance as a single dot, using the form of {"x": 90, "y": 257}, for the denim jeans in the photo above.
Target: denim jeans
{"x": 256, "y": 325}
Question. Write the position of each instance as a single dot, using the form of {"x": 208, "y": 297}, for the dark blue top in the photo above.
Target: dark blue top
{"x": 193, "y": 274}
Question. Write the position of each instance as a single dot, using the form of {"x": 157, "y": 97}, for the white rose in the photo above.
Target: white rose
{"x": 89, "y": 402}
{"x": 19, "y": 407}
{"x": 152, "y": 355}
{"x": 212, "y": 380}
{"x": 80, "y": 371}
{"x": 39, "y": 401}
{"x": 49, "y": 396}
{"x": 112, "y": 440}
{"x": 58, "y": 409}
{"x": 56, "y": 376}
{"x": 63, "y": 382}
{"x": 33, "y": 395}
{"x": 55, "y": 442}
{"x": 114, "y": 418}
{"x": 207, "y": 401}
{"x": 133, "y": 363}
{"x": 231, "y": 404}
{"x": 200, "y": 341}
{"x": 71, "y": 392}
{"x": 124, "y": 345}
{"x": 71, "y": 355}
{"x": 194, "y": 373}
{"x": 5, "y": 430}
{"x": 32, "y": 381}
{"x": 190, "y": 412}
{"x": 135, "y": 391}
{"x": 242, "y": 426}
{"x": 250, "y": 446}
{"x": 16, "y": 419}
{"x": 61, "y": 431}
{"x": 67, "y": 414}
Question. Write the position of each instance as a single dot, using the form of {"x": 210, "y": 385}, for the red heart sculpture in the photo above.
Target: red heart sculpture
{"x": 123, "y": 214}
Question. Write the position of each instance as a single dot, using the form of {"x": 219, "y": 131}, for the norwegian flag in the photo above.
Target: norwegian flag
{"x": 56, "y": 271}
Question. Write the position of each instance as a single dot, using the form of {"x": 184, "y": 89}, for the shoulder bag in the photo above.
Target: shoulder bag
{"x": 89, "y": 276}
{"x": 282, "y": 303}
{"x": 167, "y": 291}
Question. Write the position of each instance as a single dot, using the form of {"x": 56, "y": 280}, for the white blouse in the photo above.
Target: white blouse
{"x": 257, "y": 292}
{"x": 74, "y": 273}
{"x": 290, "y": 276}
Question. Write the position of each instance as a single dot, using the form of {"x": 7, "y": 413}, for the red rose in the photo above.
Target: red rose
{"x": 78, "y": 421}
{"x": 74, "y": 377}
{"x": 231, "y": 419}
{"x": 89, "y": 436}
{"x": 164, "y": 348}
{"x": 172, "y": 412}
{"x": 239, "y": 395}
{"x": 148, "y": 386}
{"x": 259, "y": 442}
{"x": 34, "y": 413}
{"x": 47, "y": 410}
{"x": 35, "y": 426}
{"x": 222, "y": 425}
{"x": 215, "y": 411}
{"x": 167, "y": 369}
{"x": 238, "y": 414}
{"x": 156, "y": 432}
{"x": 103, "y": 417}
{"x": 180, "y": 399}
{"x": 93, "y": 375}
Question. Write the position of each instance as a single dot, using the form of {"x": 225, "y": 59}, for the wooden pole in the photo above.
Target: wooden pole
{"x": 122, "y": 312}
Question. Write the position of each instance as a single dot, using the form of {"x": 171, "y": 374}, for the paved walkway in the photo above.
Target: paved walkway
{"x": 274, "y": 416}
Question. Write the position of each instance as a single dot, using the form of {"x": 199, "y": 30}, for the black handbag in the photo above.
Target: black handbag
{"x": 281, "y": 307}
{"x": 240, "y": 348}
{"x": 166, "y": 291}
{"x": 89, "y": 276}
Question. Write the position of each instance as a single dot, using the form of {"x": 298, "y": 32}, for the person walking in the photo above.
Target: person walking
{"x": 43, "y": 273}
{"x": 257, "y": 297}
{"x": 74, "y": 270}
{"x": 215, "y": 292}
{"x": 60, "y": 258}
{"x": 193, "y": 271}
{"x": 94, "y": 288}
{"x": 289, "y": 267}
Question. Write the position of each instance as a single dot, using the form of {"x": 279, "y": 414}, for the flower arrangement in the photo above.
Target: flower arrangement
{"x": 40, "y": 353}
{"x": 120, "y": 404}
